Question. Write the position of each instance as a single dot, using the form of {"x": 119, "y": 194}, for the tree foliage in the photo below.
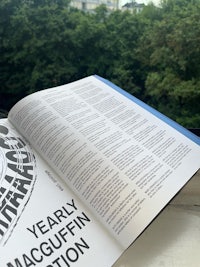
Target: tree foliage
{"x": 155, "y": 54}
{"x": 171, "y": 55}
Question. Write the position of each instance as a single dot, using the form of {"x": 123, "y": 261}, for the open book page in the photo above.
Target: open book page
{"x": 120, "y": 159}
{"x": 42, "y": 223}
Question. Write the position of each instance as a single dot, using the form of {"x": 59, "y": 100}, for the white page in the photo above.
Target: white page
{"x": 50, "y": 225}
{"x": 121, "y": 160}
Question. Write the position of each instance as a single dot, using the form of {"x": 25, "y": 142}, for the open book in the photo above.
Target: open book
{"x": 84, "y": 169}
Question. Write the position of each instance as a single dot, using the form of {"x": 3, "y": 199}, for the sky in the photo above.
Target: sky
{"x": 156, "y": 2}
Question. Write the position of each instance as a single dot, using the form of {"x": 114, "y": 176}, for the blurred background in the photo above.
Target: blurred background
{"x": 150, "y": 49}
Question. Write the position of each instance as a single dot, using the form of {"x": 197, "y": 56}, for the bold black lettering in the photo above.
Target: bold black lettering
{"x": 68, "y": 212}
{"x": 83, "y": 245}
{"x": 13, "y": 198}
{"x": 9, "y": 179}
{"x": 59, "y": 243}
{"x": 28, "y": 262}
{"x": 63, "y": 234}
{"x": 33, "y": 231}
{"x": 46, "y": 249}
{"x": 7, "y": 209}
{"x": 17, "y": 264}
{"x": 3, "y": 204}
{"x": 72, "y": 205}
{"x": 76, "y": 222}
{"x": 15, "y": 156}
{"x": 4, "y": 143}
{"x": 72, "y": 254}
{"x": 40, "y": 259}
{"x": 20, "y": 185}
{"x": 24, "y": 172}
{"x": 82, "y": 219}
{"x": 51, "y": 222}
{"x": 70, "y": 227}
{"x": 65, "y": 261}
{"x": 5, "y": 225}
{"x": 4, "y": 130}
{"x": 2, "y": 191}
{"x": 59, "y": 214}
{"x": 42, "y": 227}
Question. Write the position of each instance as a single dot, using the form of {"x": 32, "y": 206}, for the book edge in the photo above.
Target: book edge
{"x": 155, "y": 112}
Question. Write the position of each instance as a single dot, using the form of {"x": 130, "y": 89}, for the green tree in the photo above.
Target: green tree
{"x": 170, "y": 52}
{"x": 155, "y": 55}
{"x": 34, "y": 45}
